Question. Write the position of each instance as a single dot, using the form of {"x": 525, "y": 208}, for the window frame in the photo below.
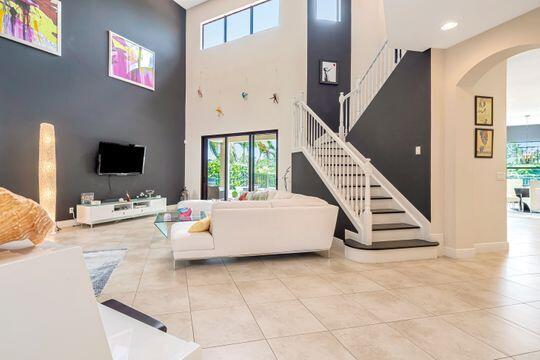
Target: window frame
{"x": 251, "y": 176}
{"x": 224, "y": 18}
{"x": 338, "y": 12}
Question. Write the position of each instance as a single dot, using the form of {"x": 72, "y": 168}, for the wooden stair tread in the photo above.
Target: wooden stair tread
{"x": 394, "y": 226}
{"x": 391, "y": 245}
{"x": 387, "y": 211}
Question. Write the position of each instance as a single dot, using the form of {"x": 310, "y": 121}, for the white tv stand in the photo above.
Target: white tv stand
{"x": 114, "y": 211}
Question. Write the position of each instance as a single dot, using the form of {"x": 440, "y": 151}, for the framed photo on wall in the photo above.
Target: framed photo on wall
{"x": 329, "y": 72}
{"x": 483, "y": 110}
{"x": 483, "y": 143}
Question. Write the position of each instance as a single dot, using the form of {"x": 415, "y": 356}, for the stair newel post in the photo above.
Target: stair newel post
{"x": 341, "y": 115}
{"x": 368, "y": 221}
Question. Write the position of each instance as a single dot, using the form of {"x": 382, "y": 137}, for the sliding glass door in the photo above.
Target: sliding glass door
{"x": 235, "y": 163}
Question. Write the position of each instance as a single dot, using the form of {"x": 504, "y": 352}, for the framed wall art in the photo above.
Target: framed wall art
{"x": 131, "y": 62}
{"x": 483, "y": 143}
{"x": 329, "y": 72}
{"x": 483, "y": 110}
{"x": 35, "y": 23}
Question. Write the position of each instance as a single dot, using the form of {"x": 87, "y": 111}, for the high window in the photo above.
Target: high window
{"x": 246, "y": 21}
{"x": 329, "y": 10}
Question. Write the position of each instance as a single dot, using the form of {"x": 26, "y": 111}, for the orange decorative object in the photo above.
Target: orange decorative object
{"x": 219, "y": 111}
{"x": 22, "y": 218}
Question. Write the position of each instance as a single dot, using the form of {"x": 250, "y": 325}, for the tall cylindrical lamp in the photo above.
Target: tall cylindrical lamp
{"x": 47, "y": 169}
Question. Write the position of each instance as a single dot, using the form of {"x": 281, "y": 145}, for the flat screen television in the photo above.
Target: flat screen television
{"x": 119, "y": 159}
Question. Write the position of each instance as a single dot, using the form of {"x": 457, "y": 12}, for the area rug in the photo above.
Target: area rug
{"x": 100, "y": 266}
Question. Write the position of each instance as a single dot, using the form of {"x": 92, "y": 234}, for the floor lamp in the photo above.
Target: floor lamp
{"x": 47, "y": 169}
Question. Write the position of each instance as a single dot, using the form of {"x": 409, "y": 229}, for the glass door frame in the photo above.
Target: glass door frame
{"x": 204, "y": 159}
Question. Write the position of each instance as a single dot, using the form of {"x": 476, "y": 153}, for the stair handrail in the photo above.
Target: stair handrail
{"x": 342, "y": 143}
{"x": 353, "y": 104}
{"x": 347, "y": 175}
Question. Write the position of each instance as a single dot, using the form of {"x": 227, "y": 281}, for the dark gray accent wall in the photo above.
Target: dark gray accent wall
{"x": 523, "y": 133}
{"x": 306, "y": 181}
{"x": 398, "y": 120}
{"x": 75, "y": 93}
{"x": 328, "y": 40}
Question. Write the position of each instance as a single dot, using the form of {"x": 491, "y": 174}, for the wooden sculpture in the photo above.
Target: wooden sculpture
{"x": 22, "y": 218}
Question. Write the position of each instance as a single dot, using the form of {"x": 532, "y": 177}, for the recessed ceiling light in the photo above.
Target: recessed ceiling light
{"x": 449, "y": 26}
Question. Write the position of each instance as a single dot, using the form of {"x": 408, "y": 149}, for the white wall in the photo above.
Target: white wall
{"x": 273, "y": 61}
{"x": 468, "y": 195}
{"x": 368, "y": 35}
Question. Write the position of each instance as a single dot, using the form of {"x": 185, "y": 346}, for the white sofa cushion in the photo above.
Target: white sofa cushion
{"x": 298, "y": 201}
{"x": 279, "y": 195}
{"x": 221, "y": 205}
{"x": 186, "y": 241}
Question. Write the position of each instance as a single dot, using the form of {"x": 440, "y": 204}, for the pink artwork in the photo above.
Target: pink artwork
{"x": 35, "y": 23}
{"x": 131, "y": 62}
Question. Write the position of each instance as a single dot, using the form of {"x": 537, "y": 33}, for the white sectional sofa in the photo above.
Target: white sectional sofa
{"x": 285, "y": 223}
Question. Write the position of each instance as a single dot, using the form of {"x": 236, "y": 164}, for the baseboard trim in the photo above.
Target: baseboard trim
{"x": 66, "y": 223}
{"x": 491, "y": 247}
{"x": 459, "y": 253}
{"x": 468, "y": 253}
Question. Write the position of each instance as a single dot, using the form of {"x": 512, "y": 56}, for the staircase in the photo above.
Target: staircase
{"x": 388, "y": 227}
{"x": 353, "y": 105}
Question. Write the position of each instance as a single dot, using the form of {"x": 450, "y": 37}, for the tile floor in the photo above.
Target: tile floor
{"x": 310, "y": 307}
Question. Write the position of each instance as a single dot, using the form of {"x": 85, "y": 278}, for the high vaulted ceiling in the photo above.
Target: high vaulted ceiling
{"x": 186, "y": 4}
{"x": 416, "y": 24}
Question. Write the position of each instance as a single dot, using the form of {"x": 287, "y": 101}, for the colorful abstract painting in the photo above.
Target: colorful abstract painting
{"x": 35, "y": 23}
{"x": 131, "y": 62}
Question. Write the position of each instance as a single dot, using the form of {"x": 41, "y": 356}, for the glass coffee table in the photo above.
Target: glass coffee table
{"x": 165, "y": 220}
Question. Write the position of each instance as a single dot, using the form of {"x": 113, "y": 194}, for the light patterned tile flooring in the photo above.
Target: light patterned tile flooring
{"x": 309, "y": 307}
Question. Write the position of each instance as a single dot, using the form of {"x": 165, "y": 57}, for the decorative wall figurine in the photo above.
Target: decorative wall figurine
{"x": 275, "y": 98}
{"x": 219, "y": 111}
{"x": 199, "y": 92}
{"x": 33, "y": 23}
{"x": 244, "y": 95}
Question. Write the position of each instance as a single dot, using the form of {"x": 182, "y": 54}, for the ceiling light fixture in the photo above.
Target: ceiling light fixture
{"x": 449, "y": 26}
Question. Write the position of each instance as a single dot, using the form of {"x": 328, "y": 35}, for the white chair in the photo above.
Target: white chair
{"x": 511, "y": 185}
{"x": 535, "y": 195}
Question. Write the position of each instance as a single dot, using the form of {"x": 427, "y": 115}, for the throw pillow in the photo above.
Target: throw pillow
{"x": 243, "y": 197}
{"x": 22, "y": 219}
{"x": 259, "y": 196}
{"x": 200, "y": 226}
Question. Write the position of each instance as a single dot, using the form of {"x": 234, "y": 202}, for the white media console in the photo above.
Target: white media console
{"x": 113, "y": 211}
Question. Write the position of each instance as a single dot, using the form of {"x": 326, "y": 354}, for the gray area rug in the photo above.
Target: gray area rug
{"x": 100, "y": 266}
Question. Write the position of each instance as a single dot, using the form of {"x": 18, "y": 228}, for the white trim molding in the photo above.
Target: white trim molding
{"x": 468, "y": 253}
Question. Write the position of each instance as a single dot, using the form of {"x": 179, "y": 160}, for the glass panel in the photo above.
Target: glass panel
{"x": 216, "y": 169}
{"x": 329, "y": 10}
{"x": 523, "y": 161}
{"x": 266, "y": 15}
{"x": 238, "y": 169}
{"x": 265, "y": 152}
{"x": 214, "y": 33}
{"x": 238, "y": 25}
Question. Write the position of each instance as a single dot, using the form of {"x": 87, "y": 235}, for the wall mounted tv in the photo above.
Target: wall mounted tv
{"x": 120, "y": 160}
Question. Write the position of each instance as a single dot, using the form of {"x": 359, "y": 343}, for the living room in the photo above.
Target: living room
{"x": 240, "y": 179}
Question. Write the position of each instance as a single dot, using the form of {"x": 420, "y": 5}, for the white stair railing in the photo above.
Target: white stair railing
{"x": 353, "y": 104}
{"x": 347, "y": 176}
